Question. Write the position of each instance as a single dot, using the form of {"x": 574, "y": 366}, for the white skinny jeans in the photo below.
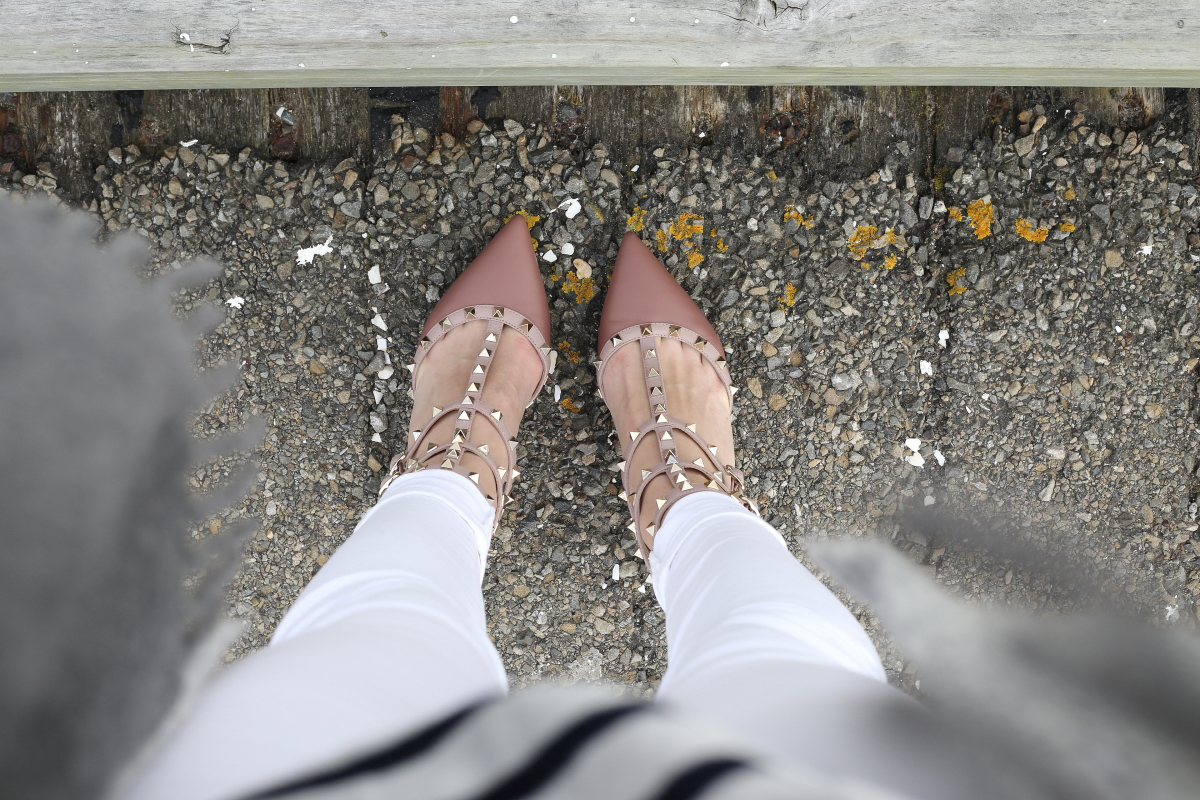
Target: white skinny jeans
{"x": 390, "y": 636}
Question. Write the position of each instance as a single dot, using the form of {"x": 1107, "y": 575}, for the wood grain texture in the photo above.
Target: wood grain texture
{"x": 123, "y": 44}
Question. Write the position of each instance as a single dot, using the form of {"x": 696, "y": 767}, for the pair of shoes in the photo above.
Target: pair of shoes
{"x": 645, "y": 305}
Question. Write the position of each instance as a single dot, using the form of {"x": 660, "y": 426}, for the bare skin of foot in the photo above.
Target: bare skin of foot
{"x": 694, "y": 394}
{"x": 442, "y": 378}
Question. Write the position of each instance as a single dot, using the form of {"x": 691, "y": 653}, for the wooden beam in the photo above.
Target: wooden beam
{"x": 161, "y": 44}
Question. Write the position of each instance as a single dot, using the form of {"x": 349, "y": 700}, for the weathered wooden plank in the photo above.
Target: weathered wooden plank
{"x": 158, "y": 44}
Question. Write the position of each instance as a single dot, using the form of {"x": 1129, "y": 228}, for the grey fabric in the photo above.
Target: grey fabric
{"x": 96, "y": 391}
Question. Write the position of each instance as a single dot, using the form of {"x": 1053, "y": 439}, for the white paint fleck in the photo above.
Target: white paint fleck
{"x": 373, "y": 275}
{"x": 557, "y": 393}
{"x": 381, "y": 342}
{"x": 236, "y": 302}
{"x": 1146, "y": 249}
{"x": 378, "y": 322}
{"x": 702, "y": 134}
{"x": 633, "y": 19}
{"x": 1118, "y": 327}
{"x": 185, "y": 37}
{"x": 572, "y": 207}
{"x": 926, "y": 368}
{"x": 189, "y": 143}
{"x": 724, "y": 63}
{"x": 913, "y": 444}
{"x": 550, "y": 256}
{"x": 616, "y": 572}
{"x": 306, "y": 255}
{"x": 568, "y": 249}
{"x": 386, "y": 373}
{"x": 554, "y": 55}
{"x": 378, "y": 396}
{"x": 635, "y": 169}
{"x": 1172, "y": 613}
{"x": 943, "y": 337}
{"x": 642, "y": 588}
{"x": 513, "y": 20}
{"x": 302, "y": 67}
{"x": 941, "y": 459}
{"x": 916, "y": 459}
{"x": 375, "y": 438}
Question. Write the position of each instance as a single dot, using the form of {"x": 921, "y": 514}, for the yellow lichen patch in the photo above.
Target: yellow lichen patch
{"x": 789, "y": 296}
{"x": 982, "y": 214}
{"x": 890, "y": 261}
{"x": 1066, "y": 226}
{"x": 686, "y": 226}
{"x": 721, "y": 246}
{"x": 861, "y": 239}
{"x": 695, "y": 260}
{"x": 660, "y": 236}
{"x": 790, "y": 212}
{"x": 953, "y": 279}
{"x": 893, "y": 238}
{"x": 1026, "y": 231}
{"x": 771, "y": 174}
{"x": 865, "y": 265}
{"x": 955, "y": 213}
{"x": 583, "y": 289}
{"x": 637, "y": 220}
{"x": 569, "y": 353}
{"x": 1069, "y": 194}
{"x": 570, "y": 405}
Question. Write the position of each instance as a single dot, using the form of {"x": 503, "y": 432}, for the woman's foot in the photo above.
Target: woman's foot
{"x": 694, "y": 394}
{"x": 442, "y": 379}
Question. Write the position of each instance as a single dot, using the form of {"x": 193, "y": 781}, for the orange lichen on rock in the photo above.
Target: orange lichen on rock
{"x": 1026, "y": 231}
{"x": 982, "y": 215}
{"x": 1069, "y": 194}
{"x": 890, "y": 261}
{"x": 570, "y": 405}
{"x": 1067, "y": 226}
{"x": 789, "y": 296}
{"x": 861, "y": 239}
{"x": 893, "y": 238}
{"x": 686, "y": 226}
{"x": 569, "y": 353}
{"x": 955, "y": 213}
{"x": 637, "y": 220}
{"x": 721, "y": 246}
{"x": 660, "y": 236}
{"x": 790, "y": 212}
{"x": 953, "y": 279}
{"x": 583, "y": 289}
{"x": 695, "y": 260}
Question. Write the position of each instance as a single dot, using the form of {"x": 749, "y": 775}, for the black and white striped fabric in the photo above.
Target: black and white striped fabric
{"x": 568, "y": 743}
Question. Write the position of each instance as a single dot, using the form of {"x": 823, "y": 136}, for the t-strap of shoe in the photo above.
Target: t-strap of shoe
{"x": 706, "y": 472}
{"x": 423, "y": 452}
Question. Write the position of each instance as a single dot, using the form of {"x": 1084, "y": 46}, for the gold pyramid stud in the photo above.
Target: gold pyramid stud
{"x": 713, "y": 485}
{"x": 661, "y": 408}
{"x": 473, "y": 387}
{"x": 545, "y": 350}
{"x": 491, "y": 337}
{"x": 479, "y": 370}
{"x": 484, "y": 353}
{"x": 447, "y": 324}
{"x": 436, "y": 410}
{"x": 467, "y": 401}
{"x": 620, "y": 465}
{"x": 632, "y": 527}
{"x": 686, "y": 486}
{"x": 653, "y": 373}
{"x": 447, "y": 464}
{"x": 464, "y": 415}
{"x": 458, "y": 438}
{"x": 712, "y": 448}
{"x": 516, "y": 473}
{"x": 656, "y": 391}
{"x": 633, "y": 436}
{"x": 425, "y": 344}
{"x": 733, "y": 390}
{"x": 692, "y": 427}
{"x": 415, "y": 434}
{"x": 661, "y": 418}
{"x": 432, "y": 446}
{"x": 671, "y": 457}
{"x": 410, "y": 394}
{"x": 675, "y": 466}
{"x": 411, "y": 368}
{"x": 666, "y": 435}
{"x": 721, "y": 363}
{"x": 496, "y": 415}
{"x": 483, "y": 448}
{"x": 699, "y": 462}
{"x": 645, "y": 474}
{"x": 647, "y": 330}
{"x": 701, "y": 342}
{"x": 501, "y": 470}
{"x": 673, "y": 330}
{"x": 621, "y": 494}
{"x": 650, "y": 354}
{"x": 490, "y": 498}
{"x": 596, "y": 364}
{"x": 660, "y": 501}
{"x": 471, "y": 312}
{"x": 473, "y": 476}
{"x": 639, "y": 555}
{"x": 525, "y": 326}
{"x": 650, "y": 531}
{"x": 498, "y": 313}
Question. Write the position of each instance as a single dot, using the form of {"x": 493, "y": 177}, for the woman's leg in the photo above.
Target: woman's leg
{"x": 760, "y": 645}
{"x": 388, "y": 637}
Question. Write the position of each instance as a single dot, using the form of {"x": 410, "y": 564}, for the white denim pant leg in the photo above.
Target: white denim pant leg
{"x": 757, "y": 643}
{"x": 388, "y": 637}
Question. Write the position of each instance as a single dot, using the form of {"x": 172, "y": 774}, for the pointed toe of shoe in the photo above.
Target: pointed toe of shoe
{"x": 642, "y": 291}
{"x": 506, "y": 274}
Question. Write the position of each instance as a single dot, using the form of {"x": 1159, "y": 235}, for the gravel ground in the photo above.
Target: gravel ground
{"x": 1029, "y": 316}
